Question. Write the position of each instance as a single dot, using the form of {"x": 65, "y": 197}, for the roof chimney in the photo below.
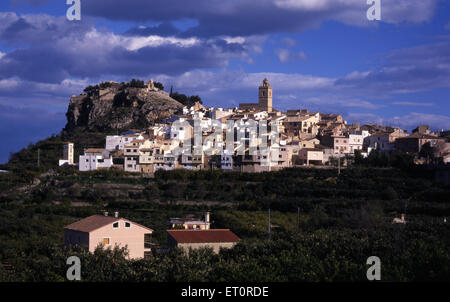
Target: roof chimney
{"x": 207, "y": 217}
{"x": 105, "y": 213}
{"x": 116, "y": 214}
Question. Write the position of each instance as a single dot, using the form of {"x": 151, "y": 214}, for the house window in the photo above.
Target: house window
{"x": 115, "y": 225}
{"x": 105, "y": 241}
{"x": 127, "y": 224}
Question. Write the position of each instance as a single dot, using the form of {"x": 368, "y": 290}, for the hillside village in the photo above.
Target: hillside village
{"x": 178, "y": 187}
{"x": 198, "y": 138}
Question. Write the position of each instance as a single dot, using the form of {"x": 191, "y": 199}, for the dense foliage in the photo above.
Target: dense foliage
{"x": 186, "y": 100}
{"x": 324, "y": 227}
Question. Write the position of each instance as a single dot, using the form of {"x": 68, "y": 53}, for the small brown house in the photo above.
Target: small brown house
{"x": 214, "y": 238}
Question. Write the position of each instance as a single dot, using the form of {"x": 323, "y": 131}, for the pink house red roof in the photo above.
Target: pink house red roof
{"x": 203, "y": 236}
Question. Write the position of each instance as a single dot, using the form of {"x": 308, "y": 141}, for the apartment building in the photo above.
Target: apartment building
{"x": 131, "y": 155}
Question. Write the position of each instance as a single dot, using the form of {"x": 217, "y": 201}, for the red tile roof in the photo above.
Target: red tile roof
{"x": 203, "y": 236}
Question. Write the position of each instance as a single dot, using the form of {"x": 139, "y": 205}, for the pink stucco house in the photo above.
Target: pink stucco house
{"x": 110, "y": 231}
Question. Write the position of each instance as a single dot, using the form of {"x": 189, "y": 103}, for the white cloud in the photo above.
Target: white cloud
{"x": 435, "y": 121}
{"x": 229, "y": 40}
{"x": 136, "y": 43}
{"x": 9, "y": 84}
{"x": 286, "y": 55}
{"x": 304, "y": 5}
{"x": 365, "y": 118}
{"x": 239, "y": 79}
{"x": 417, "y": 104}
{"x": 95, "y": 38}
{"x": 289, "y": 42}
{"x": 354, "y": 11}
{"x": 407, "y": 121}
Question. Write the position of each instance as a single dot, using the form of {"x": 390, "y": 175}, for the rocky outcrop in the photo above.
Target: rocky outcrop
{"x": 119, "y": 107}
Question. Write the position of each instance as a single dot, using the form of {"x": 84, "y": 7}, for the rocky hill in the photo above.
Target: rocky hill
{"x": 104, "y": 109}
{"x": 118, "y": 107}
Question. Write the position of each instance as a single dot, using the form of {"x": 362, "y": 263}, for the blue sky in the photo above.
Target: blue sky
{"x": 323, "y": 55}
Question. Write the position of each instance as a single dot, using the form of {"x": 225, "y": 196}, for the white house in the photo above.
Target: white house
{"x": 380, "y": 141}
{"x": 114, "y": 142}
{"x": 181, "y": 130}
{"x": 356, "y": 140}
{"x": 94, "y": 159}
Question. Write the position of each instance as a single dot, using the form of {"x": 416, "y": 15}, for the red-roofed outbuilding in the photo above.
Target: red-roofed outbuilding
{"x": 214, "y": 238}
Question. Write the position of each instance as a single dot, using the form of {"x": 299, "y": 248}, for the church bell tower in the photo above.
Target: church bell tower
{"x": 265, "y": 96}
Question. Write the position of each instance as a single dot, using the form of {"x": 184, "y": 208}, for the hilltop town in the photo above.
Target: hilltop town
{"x": 253, "y": 137}
{"x": 179, "y": 194}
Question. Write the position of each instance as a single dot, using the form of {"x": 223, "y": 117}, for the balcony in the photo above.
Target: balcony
{"x": 149, "y": 245}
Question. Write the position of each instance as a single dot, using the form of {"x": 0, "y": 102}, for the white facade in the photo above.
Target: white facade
{"x": 114, "y": 142}
{"x": 91, "y": 161}
{"x": 181, "y": 131}
{"x": 127, "y": 139}
{"x": 379, "y": 141}
{"x": 118, "y": 142}
{"x": 356, "y": 140}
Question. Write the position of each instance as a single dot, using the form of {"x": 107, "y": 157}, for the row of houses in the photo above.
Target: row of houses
{"x": 143, "y": 154}
{"x": 113, "y": 231}
{"x": 252, "y": 138}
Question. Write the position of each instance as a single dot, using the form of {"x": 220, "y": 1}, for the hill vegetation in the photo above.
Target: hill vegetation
{"x": 324, "y": 226}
